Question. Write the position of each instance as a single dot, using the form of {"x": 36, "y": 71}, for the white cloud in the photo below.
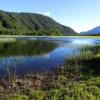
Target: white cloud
{"x": 47, "y": 13}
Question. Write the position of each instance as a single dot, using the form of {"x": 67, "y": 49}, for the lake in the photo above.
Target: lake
{"x": 22, "y": 55}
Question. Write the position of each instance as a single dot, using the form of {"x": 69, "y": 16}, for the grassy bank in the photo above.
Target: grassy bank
{"x": 79, "y": 90}
{"x": 8, "y": 36}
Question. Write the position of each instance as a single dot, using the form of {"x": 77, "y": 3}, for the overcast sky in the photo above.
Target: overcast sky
{"x": 81, "y": 15}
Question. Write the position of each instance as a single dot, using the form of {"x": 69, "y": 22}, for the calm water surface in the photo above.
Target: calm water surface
{"x": 33, "y": 54}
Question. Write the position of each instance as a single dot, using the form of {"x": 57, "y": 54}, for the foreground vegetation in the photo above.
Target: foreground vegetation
{"x": 78, "y": 90}
{"x": 78, "y": 79}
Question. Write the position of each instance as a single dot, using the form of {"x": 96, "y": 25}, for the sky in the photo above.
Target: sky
{"x": 81, "y": 15}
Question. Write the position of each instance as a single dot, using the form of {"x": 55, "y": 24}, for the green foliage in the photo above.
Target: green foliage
{"x": 14, "y": 97}
{"x": 37, "y": 95}
{"x": 77, "y": 90}
{"x": 30, "y": 24}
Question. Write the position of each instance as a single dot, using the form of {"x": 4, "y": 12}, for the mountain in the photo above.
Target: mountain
{"x": 31, "y": 24}
{"x": 95, "y": 30}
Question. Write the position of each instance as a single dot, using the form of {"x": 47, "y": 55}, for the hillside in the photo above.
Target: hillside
{"x": 12, "y": 23}
{"x": 95, "y": 30}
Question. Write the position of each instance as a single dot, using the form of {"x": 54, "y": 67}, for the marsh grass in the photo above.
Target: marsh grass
{"x": 78, "y": 90}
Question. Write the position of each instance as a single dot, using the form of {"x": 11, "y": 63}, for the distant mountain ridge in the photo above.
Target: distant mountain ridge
{"x": 95, "y": 30}
{"x": 31, "y": 23}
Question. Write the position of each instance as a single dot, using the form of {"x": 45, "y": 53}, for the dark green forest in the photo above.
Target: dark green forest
{"x": 12, "y": 23}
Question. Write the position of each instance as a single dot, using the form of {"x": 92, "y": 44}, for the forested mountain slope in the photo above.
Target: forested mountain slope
{"x": 12, "y": 23}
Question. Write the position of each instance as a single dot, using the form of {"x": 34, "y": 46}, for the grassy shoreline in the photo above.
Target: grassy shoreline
{"x": 8, "y": 36}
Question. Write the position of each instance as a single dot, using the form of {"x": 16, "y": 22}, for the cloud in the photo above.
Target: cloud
{"x": 47, "y": 13}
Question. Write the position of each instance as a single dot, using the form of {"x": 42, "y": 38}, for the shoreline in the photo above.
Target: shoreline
{"x": 15, "y": 36}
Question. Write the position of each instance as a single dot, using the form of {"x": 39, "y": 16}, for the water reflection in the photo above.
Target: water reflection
{"x": 26, "y": 47}
{"x": 31, "y": 55}
{"x": 83, "y": 42}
